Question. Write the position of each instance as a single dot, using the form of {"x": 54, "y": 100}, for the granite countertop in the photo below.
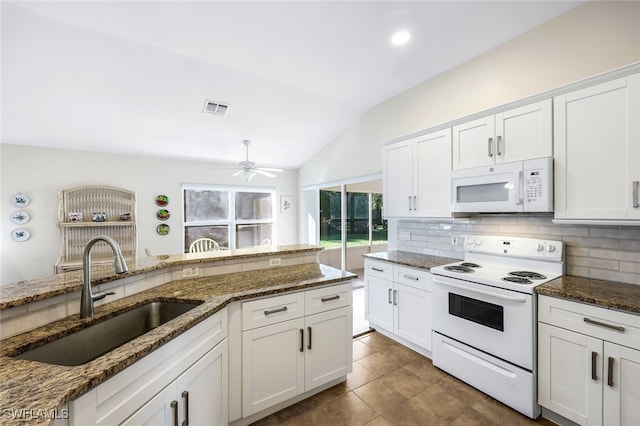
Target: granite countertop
{"x": 38, "y": 386}
{"x": 607, "y": 294}
{"x": 23, "y": 292}
{"x": 414, "y": 260}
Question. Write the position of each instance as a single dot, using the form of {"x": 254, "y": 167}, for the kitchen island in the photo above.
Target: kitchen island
{"x": 34, "y": 390}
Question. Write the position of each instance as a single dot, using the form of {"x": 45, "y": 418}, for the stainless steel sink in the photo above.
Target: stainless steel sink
{"x": 89, "y": 343}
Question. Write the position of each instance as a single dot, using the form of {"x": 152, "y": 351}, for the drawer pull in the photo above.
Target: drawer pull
{"x": 411, "y": 277}
{"x": 390, "y": 301}
{"x": 594, "y": 358}
{"x": 185, "y": 396}
{"x": 301, "y": 340}
{"x": 309, "y": 345}
{"x": 174, "y": 409}
{"x": 605, "y": 325}
{"x": 328, "y": 299}
{"x": 610, "y": 372}
{"x": 275, "y": 311}
{"x": 377, "y": 269}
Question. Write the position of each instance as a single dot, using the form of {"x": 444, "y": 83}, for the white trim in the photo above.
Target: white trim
{"x": 358, "y": 179}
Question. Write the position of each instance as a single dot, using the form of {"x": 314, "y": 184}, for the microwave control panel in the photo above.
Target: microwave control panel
{"x": 538, "y": 189}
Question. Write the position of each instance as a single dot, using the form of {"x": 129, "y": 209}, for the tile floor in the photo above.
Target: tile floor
{"x": 393, "y": 385}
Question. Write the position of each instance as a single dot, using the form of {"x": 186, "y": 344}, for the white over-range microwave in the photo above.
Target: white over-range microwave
{"x": 520, "y": 186}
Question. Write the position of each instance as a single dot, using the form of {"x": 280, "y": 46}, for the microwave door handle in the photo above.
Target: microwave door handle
{"x": 519, "y": 188}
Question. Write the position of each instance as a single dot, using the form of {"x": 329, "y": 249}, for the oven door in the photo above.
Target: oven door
{"x": 497, "y": 321}
{"x": 491, "y": 189}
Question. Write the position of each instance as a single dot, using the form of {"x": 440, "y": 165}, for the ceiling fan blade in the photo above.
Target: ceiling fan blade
{"x": 270, "y": 169}
{"x": 237, "y": 173}
{"x": 262, "y": 172}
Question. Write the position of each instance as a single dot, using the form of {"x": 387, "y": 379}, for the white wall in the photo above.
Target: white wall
{"x": 41, "y": 172}
{"x": 588, "y": 40}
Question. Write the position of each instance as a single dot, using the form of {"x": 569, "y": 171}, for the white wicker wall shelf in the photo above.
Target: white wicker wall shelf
{"x": 84, "y": 202}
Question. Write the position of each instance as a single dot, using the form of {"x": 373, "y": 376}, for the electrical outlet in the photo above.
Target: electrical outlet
{"x": 190, "y": 272}
{"x": 275, "y": 262}
{"x": 454, "y": 240}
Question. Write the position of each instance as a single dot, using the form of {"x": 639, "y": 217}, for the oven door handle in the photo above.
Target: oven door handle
{"x": 486, "y": 293}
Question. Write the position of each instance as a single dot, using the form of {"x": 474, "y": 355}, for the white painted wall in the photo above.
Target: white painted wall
{"x": 588, "y": 40}
{"x": 40, "y": 172}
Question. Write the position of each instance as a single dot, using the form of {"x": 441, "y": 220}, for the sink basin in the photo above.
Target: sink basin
{"x": 89, "y": 343}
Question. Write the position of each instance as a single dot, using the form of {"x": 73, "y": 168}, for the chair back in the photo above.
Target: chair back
{"x": 203, "y": 244}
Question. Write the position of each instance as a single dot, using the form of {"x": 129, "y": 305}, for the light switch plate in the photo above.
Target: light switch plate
{"x": 190, "y": 272}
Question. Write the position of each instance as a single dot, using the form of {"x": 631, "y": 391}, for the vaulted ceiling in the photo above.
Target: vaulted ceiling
{"x": 133, "y": 77}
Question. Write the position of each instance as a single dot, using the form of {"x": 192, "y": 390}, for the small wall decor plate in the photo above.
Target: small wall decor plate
{"x": 20, "y": 235}
{"x": 163, "y": 214}
{"x": 162, "y": 200}
{"x": 163, "y": 229}
{"x": 20, "y": 217}
{"x": 20, "y": 200}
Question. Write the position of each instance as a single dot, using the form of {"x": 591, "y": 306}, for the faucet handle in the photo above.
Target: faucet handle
{"x": 102, "y": 295}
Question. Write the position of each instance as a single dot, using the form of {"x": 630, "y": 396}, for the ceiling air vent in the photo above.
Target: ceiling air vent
{"x": 215, "y": 108}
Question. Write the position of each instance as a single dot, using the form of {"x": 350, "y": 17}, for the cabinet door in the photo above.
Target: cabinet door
{"x": 161, "y": 410}
{"x": 621, "y": 385}
{"x": 203, "y": 389}
{"x": 596, "y": 137}
{"x": 432, "y": 172}
{"x": 474, "y": 143}
{"x": 570, "y": 374}
{"x": 272, "y": 365}
{"x": 328, "y": 346}
{"x": 378, "y": 308}
{"x": 524, "y": 133}
{"x": 412, "y": 315}
{"x": 398, "y": 180}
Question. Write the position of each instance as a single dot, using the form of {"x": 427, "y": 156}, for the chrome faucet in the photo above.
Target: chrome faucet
{"x": 87, "y": 298}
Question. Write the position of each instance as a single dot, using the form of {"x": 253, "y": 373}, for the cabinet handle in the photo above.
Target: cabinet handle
{"x": 411, "y": 277}
{"x": 275, "y": 311}
{"x": 328, "y": 299}
{"x": 301, "y": 340}
{"x": 409, "y": 202}
{"x": 185, "y": 396}
{"x": 390, "y": 301}
{"x": 610, "y": 372}
{"x": 415, "y": 203}
{"x": 395, "y": 297}
{"x": 309, "y": 330}
{"x": 490, "y": 147}
{"x": 635, "y": 194}
{"x": 605, "y": 325}
{"x": 498, "y": 145}
{"x": 174, "y": 409}
{"x": 377, "y": 269}
{"x": 594, "y": 358}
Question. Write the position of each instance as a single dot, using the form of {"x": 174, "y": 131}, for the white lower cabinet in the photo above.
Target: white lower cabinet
{"x": 186, "y": 377}
{"x": 588, "y": 363}
{"x": 283, "y": 357}
{"x": 398, "y": 300}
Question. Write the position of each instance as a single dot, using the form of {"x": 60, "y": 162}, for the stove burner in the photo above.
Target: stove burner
{"x": 517, "y": 280}
{"x": 457, "y": 268}
{"x": 528, "y": 274}
{"x": 470, "y": 265}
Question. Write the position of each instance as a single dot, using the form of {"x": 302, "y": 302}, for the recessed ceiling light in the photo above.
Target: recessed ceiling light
{"x": 400, "y": 38}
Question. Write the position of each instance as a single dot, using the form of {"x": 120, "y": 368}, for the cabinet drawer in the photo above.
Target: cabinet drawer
{"x": 612, "y": 326}
{"x": 411, "y": 277}
{"x": 378, "y": 269}
{"x": 326, "y": 298}
{"x": 272, "y": 310}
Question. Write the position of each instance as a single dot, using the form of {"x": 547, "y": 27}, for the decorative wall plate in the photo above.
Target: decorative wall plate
{"x": 163, "y": 214}
{"x": 162, "y": 200}
{"x": 20, "y": 200}
{"x": 163, "y": 229}
{"x": 20, "y": 234}
{"x": 20, "y": 217}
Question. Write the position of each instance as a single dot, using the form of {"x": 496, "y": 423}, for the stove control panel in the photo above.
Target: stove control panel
{"x": 514, "y": 246}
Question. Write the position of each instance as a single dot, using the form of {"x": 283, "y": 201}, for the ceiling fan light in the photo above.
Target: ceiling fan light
{"x": 247, "y": 175}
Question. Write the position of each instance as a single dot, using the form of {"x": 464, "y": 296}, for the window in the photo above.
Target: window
{"x": 235, "y": 217}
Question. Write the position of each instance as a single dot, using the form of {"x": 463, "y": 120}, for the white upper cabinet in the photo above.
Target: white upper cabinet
{"x": 417, "y": 176}
{"x": 597, "y": 152}
{"x": 518, "y": 134}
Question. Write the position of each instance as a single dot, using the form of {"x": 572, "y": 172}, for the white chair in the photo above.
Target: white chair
{"x": 266, "y": 242}
{"x": 203, "y": 244}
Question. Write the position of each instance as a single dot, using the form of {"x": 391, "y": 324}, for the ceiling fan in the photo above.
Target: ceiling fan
{"x": 247, "y": 169}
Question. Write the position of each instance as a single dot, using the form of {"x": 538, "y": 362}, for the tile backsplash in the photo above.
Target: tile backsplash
{"x": 602, "y": 252}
